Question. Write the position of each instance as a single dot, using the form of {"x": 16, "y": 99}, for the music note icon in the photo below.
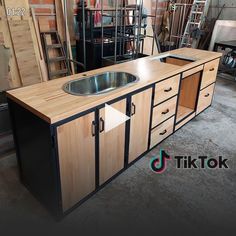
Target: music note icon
{"x": 158, "y": 164}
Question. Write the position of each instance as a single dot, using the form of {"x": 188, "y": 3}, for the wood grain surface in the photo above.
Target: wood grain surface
{"x": 48, "y": 101}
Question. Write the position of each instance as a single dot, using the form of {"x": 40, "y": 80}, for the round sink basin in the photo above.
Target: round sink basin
{"x": 99, "y": 84}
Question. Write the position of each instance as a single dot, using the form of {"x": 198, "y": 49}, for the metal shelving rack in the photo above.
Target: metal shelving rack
{"x": 127, "y": 29}
{"x": 121, "y": 36}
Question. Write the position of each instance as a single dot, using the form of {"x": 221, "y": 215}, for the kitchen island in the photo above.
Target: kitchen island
{"x": 65, "y": 155}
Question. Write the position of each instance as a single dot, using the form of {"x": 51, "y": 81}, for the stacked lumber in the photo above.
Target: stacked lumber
{"x": 21, "y": 46}
{"x": 20, "y": 37}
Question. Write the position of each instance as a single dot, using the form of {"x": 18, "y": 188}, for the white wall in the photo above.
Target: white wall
{"x": 229, "y": 12}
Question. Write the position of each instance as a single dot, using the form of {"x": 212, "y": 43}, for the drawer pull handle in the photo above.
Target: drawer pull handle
{"x": 168, "y": 90}
{"x": 102, "y": 126}
{"x": 133, "y": 109}
{"x": 164, "y": 132}
{"x": 93, "y": 128}
{"x": 165, "y": 112}
{"x": 207, "y": 95}
{"x": 212, "y": 69}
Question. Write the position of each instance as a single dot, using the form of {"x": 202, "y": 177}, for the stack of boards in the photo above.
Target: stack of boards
{"x": 20, "y": 45}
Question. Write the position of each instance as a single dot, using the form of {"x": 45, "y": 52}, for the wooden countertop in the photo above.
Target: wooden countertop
{"x": 48, "y": 101}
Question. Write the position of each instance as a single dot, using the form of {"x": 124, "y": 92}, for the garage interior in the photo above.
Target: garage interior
{"x": 44, "y": 40}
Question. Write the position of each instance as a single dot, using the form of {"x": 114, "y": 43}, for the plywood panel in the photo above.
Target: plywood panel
{"x": 14, "y": 76}
{"x": 76, "y": 147}
{"x": 17, "y": 10}
{"x": 189, "y": 90}
{"x": 140, "y": 124}
{"x": 24, "y": 51}
{"x": 112, "y": 146}
{"x": 185, "y": 121}
{"x": 176, "y": 61}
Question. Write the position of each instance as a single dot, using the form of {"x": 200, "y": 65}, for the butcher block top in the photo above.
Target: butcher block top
{"x": 49, "y": 101}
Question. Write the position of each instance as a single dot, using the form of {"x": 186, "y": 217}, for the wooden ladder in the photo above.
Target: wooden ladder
{"x": 60, "y": 58}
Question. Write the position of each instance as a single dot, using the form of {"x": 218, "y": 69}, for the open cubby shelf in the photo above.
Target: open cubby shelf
{"x": 189, "y": 89}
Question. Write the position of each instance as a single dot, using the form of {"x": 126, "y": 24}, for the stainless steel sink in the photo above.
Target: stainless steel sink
{"x": 98, "y": 84}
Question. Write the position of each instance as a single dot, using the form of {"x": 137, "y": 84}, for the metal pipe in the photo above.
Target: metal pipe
{"x": 120, "y": 35}
{"x": 171, "y": 31}
{"x": 66, "y": 32}
{"x": 116, "y": 31}
{"x": 124, "y": 40}
{"x": 84, "y": 36}
{"x": 182, "y": 27}
{"x": 135, "y": 29}
{"x": 155, "y": 29}
{"x": 139, "y": 28}
{"x": 102, "y": 30}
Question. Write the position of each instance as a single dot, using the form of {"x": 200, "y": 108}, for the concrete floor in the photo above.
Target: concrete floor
{"x": 138, "y": 202}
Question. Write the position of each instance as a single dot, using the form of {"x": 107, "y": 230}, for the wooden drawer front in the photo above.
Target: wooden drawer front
{"x": 166, "y": 89}
{"x": 205, "y": 98}
{"x": 209, "y": 73}
{"x": 192, "y": 71}
{"x": 164, "y": 111}
{"x": 161, "y": 132}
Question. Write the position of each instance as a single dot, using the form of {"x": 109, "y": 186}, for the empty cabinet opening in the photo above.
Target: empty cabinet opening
{"x": 188, "y": 96}
{"x": 176, "y": 61}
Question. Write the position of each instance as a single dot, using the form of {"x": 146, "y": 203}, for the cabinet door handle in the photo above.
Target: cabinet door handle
{"x": 212, "y": 69}
{"x": 102, "y": 125}
{"x": 168, "y": 90}
{"x": 133, "y": 109}
{"x": 165, "y": 112}
{"x": 207, "y": 95}
{"x": 93, "y": 128}
{"x": 164, "y": 132}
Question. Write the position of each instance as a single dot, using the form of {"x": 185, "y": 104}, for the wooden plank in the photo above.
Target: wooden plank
{"x": 25, "y": 53}
{"x": 14, "y": 77}
{"x": 42, "y": 63}
{"x": 60, "y": 20}
{"x": 76, "y": 159}
{"x": 176, "y": 61}
{"x": 192, "y": 71}
{"x": 185, "y": 121}
{"x": 68, "y": 42}
{"x": 4, "y": 63}
{"x": 70, "y": 20}
{"x": 189, "y": 90}
{"x": 44, "y": 27}
{"x": 183, "y": 112}
{"x": 17, "y": 10}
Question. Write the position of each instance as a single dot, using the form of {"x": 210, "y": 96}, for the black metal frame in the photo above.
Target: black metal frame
{"x": 51, "y": 131}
